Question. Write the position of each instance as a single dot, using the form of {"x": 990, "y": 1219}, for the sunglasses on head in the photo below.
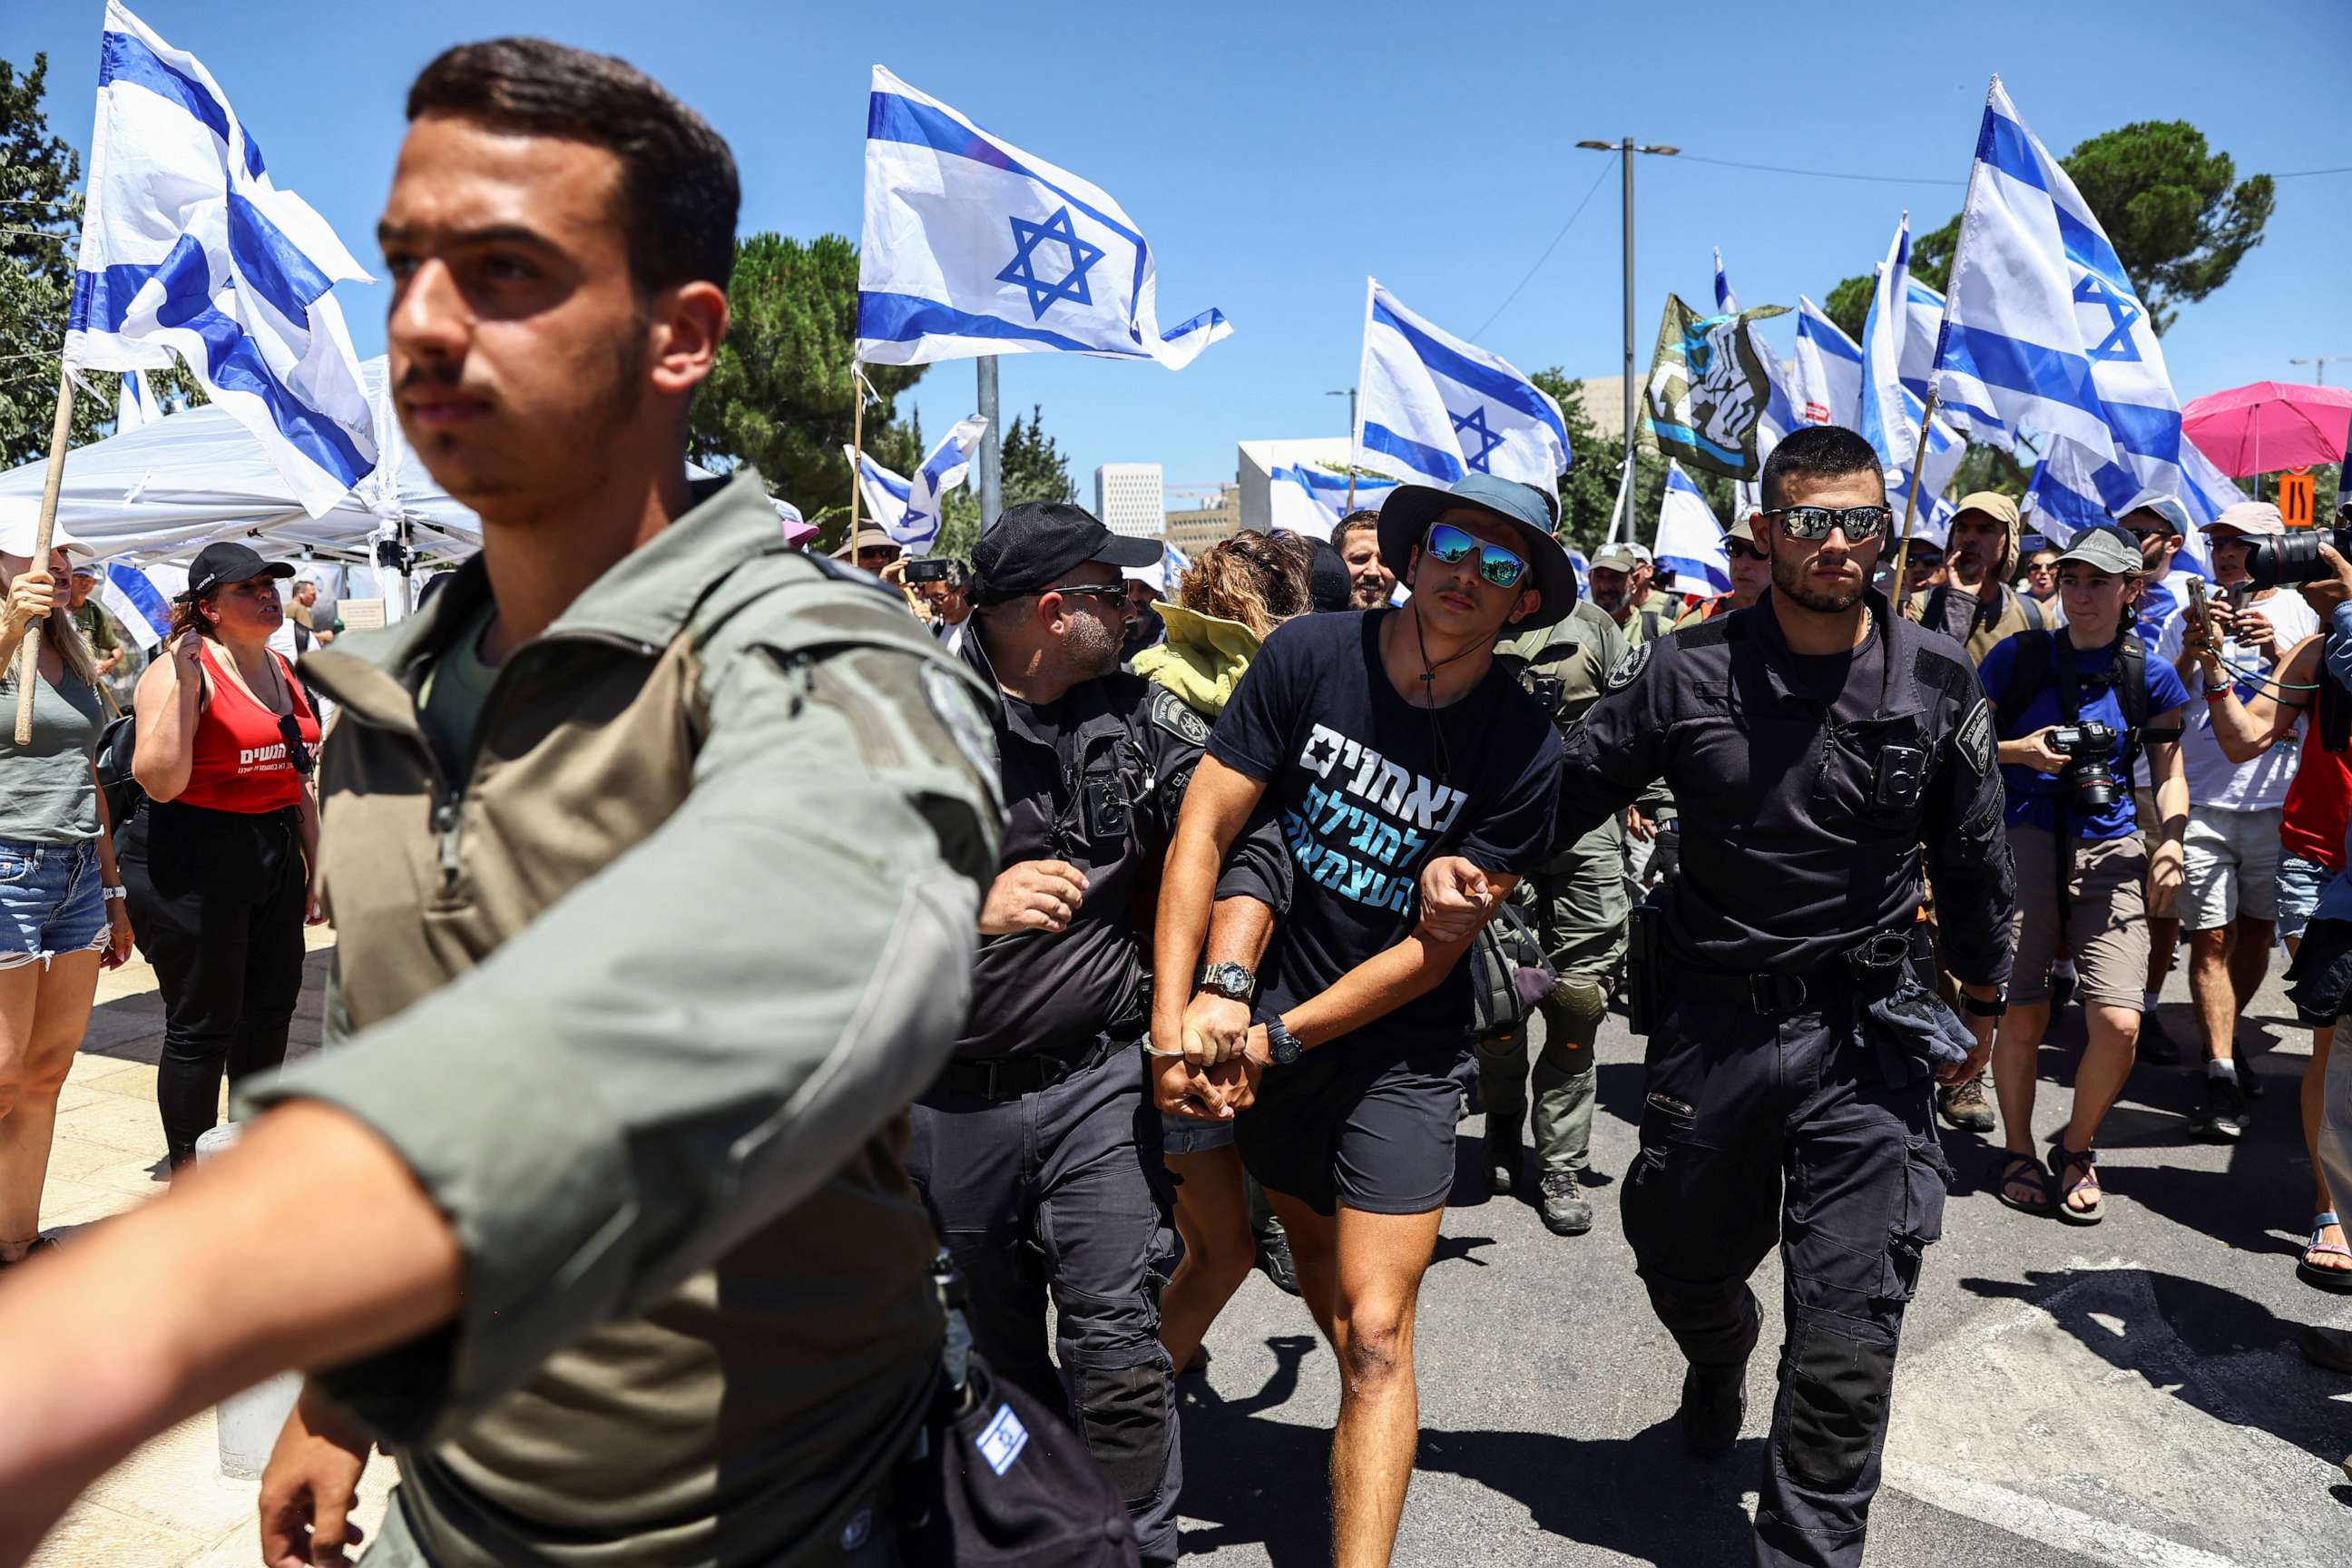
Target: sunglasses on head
{"x": 1856, "y": 522}
{"x": 1450, "y": 546}
{"x": 1098, "y": 590}
{"x": 289, "y": 731}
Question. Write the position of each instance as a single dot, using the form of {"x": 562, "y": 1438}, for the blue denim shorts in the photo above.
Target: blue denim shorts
{"x": 1189, "y": 1135}
{"x": 2300, "y": 878}
{"x": 50, "y": 902}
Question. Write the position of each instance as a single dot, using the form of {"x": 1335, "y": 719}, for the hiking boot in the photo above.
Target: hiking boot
{"x": 1964, "y": 1106}
{"x": 1714, "y": 1402}
{"x": 1274, "y": 1262}
{"x": 2221, "y": 1113}
{"x": 1505, "y": 1158}
{"x": 2156, "y": 1048}
{"x": 1566, "y": 1210}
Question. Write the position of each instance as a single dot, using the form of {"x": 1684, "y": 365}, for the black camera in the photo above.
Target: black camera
{"x": 2089, "y": 749}
{"x": 2295, "y": 557}
{"x": 929, "y": 569}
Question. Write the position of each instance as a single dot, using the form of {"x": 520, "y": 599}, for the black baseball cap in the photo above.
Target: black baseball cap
{"x": 228, "y": 562}
{"x": 1032, "y": 544}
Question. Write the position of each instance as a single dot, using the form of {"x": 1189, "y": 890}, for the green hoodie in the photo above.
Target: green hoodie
{"x": 1202, "y": 658}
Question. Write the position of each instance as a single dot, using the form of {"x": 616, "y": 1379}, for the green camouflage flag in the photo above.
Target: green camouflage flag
{"x": 1707, "y": 390}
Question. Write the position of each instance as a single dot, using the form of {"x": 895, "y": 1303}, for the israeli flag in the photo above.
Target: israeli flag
{"x": 135, "y": 404}
{"x": 1726, "y": 299}
{"x": 136, "y": 603}
{"x": 187, "y": 248}
{"x": 1828, "y": 388}
{"x": 909, "y": 509}
{"x": 1312, "y": 502}
{"x": 1433, "y": 407}
{"x": 1690, "y": 540}
{"x": 1892, "y": 416}
{"x": 2073, "y": 489}
{"x": 972, "y": 246}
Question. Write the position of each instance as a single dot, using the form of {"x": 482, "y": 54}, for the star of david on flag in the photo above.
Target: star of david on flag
{"x": 972, "y": 246}
{"x": 188, "y": 249}
{"x": 1432, "y": 406}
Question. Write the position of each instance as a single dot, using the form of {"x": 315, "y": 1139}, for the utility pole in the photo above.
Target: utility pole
{"x": 991, "y": 467}
{"x": 1351, "y": 396}
{"x": 2319, "y": 364}
{"x": 1625, "y": 147}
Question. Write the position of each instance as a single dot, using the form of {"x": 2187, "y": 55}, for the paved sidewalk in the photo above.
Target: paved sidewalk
{"x": 167, "y": 1506}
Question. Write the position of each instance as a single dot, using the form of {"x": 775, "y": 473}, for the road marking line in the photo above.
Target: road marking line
{"x": 2052, "y": 1524}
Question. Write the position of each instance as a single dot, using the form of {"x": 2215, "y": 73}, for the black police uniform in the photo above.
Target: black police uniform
{"x": 1038, "y": 1149}
{"x": 1807, "y": 788}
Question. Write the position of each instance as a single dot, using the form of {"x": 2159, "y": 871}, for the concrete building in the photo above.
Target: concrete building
{"x": 1129, "y": 500}
{"x": 1258, "y": 459}
{"x": 1194, "y": 531}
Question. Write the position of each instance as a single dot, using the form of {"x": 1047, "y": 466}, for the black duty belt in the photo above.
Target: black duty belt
{"x": 1872, "y": 968}
{"x": 1009, "y": 1078}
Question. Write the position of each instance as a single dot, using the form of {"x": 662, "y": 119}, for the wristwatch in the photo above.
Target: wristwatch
{"x": 1997, "y": 1007}
{"x": 1233, "y": 981}
{"x": 1281, "y": 1043}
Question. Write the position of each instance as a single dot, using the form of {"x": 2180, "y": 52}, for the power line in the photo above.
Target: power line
{"x": 1818, "y": 174}
{"x": 2307, "y": 174}
{"x": 1545, "y": 255}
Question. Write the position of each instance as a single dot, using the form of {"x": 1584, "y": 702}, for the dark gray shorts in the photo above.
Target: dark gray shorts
{"x": 1372, "y": 1132}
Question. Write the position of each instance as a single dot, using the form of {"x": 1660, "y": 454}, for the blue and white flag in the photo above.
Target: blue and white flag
{"x": 1690, "y": 540}
{"x": 1727, "y": 299}
{"x": 1433, "y": 407}
{"x": 972, "y": 246}
{"x": 909, "y": 509}
{"x": 2073, "y": 489}
{"x": 1312, "y": 502}
{"x": 1892, "y": 416}
{"x": 187, "y": 248}
{"x": 1922, "y": 319}
{"x": 135, "y": 404}
{"x": 136, "y": 603}
{"x": 1828, "y": 389}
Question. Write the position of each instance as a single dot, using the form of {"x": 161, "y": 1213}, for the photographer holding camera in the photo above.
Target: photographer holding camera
{"x": 2075, "y": 706}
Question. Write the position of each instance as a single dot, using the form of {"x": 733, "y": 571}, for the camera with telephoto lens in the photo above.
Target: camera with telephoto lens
{"x": 2295, "y": 557}
{"x": 2088, "y": 747}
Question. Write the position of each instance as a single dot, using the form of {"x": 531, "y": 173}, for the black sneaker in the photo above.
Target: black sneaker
{"x": 1566, "y": 1210}
{"x": 2221, "y": 1113}
{"x": 2156, "y": 1047}
{"x": 1714, "y": 1402}
{"x": 1273, "y": 1261}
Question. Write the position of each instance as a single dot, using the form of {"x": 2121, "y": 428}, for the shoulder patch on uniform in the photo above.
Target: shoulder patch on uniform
{"x": 1628, "y": 668}
{"x": 1177, "y": 717}
{"x": 1973, "y": 739}
{"x": 1705, "y": 633}
{"x": 1953, "y": 677}
{"x": 959, "y": 714}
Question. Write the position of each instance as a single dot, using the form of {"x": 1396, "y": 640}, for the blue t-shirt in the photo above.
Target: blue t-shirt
{"x": 2158, "y": 604}
{"x": 2033, "y": 795}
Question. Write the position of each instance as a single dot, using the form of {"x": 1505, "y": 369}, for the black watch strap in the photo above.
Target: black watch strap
{"x": 1996, "y": 1008}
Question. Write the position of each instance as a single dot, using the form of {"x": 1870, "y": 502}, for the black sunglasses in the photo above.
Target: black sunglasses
{"x": 290, "y": 730}
{"x": 1857, "y": 522}
{"x": 1098, "y": 590}
{"x": 1739, "y": 549}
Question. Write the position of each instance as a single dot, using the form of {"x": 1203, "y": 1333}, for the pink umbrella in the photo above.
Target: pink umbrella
{"x": 2270, "y": 426}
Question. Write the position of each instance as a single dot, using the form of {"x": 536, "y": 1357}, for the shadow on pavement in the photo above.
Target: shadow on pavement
{"x": 1277, "y": 1498}
{"x": 1640, "y": 1496}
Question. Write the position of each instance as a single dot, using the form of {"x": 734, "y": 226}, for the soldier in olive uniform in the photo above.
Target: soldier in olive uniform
{"x": 1578, "y": 901}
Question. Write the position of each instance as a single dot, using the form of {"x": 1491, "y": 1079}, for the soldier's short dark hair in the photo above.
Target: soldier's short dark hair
{"x": 1362, "y": 518}
{"x": 678, "y": 189}
{"x": 1818, "y": 452}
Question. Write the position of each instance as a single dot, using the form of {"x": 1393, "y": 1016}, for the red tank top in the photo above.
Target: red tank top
{"x": 2318, "y": 805}
{"x": 241, "y": 763}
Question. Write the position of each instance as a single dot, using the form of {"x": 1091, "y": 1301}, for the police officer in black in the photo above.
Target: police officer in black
{"x": 1038, "y": 1148}
{"x": 1816, "y": 742}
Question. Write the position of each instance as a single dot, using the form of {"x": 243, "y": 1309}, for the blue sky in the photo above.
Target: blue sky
{"x": 1276, "y": 154}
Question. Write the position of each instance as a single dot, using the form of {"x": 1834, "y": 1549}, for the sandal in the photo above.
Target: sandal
{"x": 2062, "y": 1161}
{"x": 2023, "y": 1171}
{"x": 2339, "y": 1281}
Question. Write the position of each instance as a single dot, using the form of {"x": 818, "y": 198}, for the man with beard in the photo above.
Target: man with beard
{"x": 1621, "y": 577}
{"x": 602, "y": 1166}
{"x": 1371, "y": 581}
{"x": 1975, "y": 603}
{"x": 1816, "y": 742}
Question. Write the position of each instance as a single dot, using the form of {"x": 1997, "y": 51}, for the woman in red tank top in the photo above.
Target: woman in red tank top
{"x": 219, "y": 860}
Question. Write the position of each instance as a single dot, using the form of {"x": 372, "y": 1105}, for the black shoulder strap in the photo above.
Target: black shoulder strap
{"x": 2027, "y": 675}
{"x": 2131, "y": 680}
{"x": 1940, "y": 599}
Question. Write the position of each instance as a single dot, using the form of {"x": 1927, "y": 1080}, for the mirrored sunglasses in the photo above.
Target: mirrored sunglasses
{"x": 1451, "y": 546}
{"x": 1856, "y": 522}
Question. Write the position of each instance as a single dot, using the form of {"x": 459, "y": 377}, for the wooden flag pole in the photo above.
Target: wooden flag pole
{"x": 1902, "y": 595}
{"x": 856, "y": 458}
{"x": 28, "y": 652}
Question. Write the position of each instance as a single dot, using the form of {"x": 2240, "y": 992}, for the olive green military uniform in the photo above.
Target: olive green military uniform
{"x": 1578, "y": 902}
{"x": 624, "y": 978}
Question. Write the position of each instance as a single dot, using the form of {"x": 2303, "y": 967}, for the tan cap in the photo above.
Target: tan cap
{"x": 2249, "y": 517}
{"x": 1620, "y": 557}
{"x": 1993, "y": 504}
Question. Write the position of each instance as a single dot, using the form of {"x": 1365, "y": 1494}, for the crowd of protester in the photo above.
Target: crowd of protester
{"x": 1168, "y": 929}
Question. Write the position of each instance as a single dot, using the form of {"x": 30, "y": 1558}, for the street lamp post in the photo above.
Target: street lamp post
{"x": 1625, "y": 147}
{"x": 1351, "y": 396}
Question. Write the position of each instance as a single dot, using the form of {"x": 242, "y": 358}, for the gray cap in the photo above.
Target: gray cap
{"x": 2108, "y": 548}
{"x": 2168, "y": 508}
{"x": 1619, "y": 557}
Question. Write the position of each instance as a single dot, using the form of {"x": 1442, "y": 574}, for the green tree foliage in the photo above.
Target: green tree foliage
{"x": 40, "y": 226}
{"x": 779, "y": 396}
{"x": 2178, "y": 217}
{"x": 1033, "y": 469}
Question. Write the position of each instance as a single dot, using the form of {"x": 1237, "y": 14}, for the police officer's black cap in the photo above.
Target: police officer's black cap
{"x": 1406, "y": 515}
{"x": 217, "y": 565}
{"x": 1031, "y": 546}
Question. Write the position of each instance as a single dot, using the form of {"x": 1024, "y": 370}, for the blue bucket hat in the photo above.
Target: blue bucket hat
{"x": 1409, "y": 511}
